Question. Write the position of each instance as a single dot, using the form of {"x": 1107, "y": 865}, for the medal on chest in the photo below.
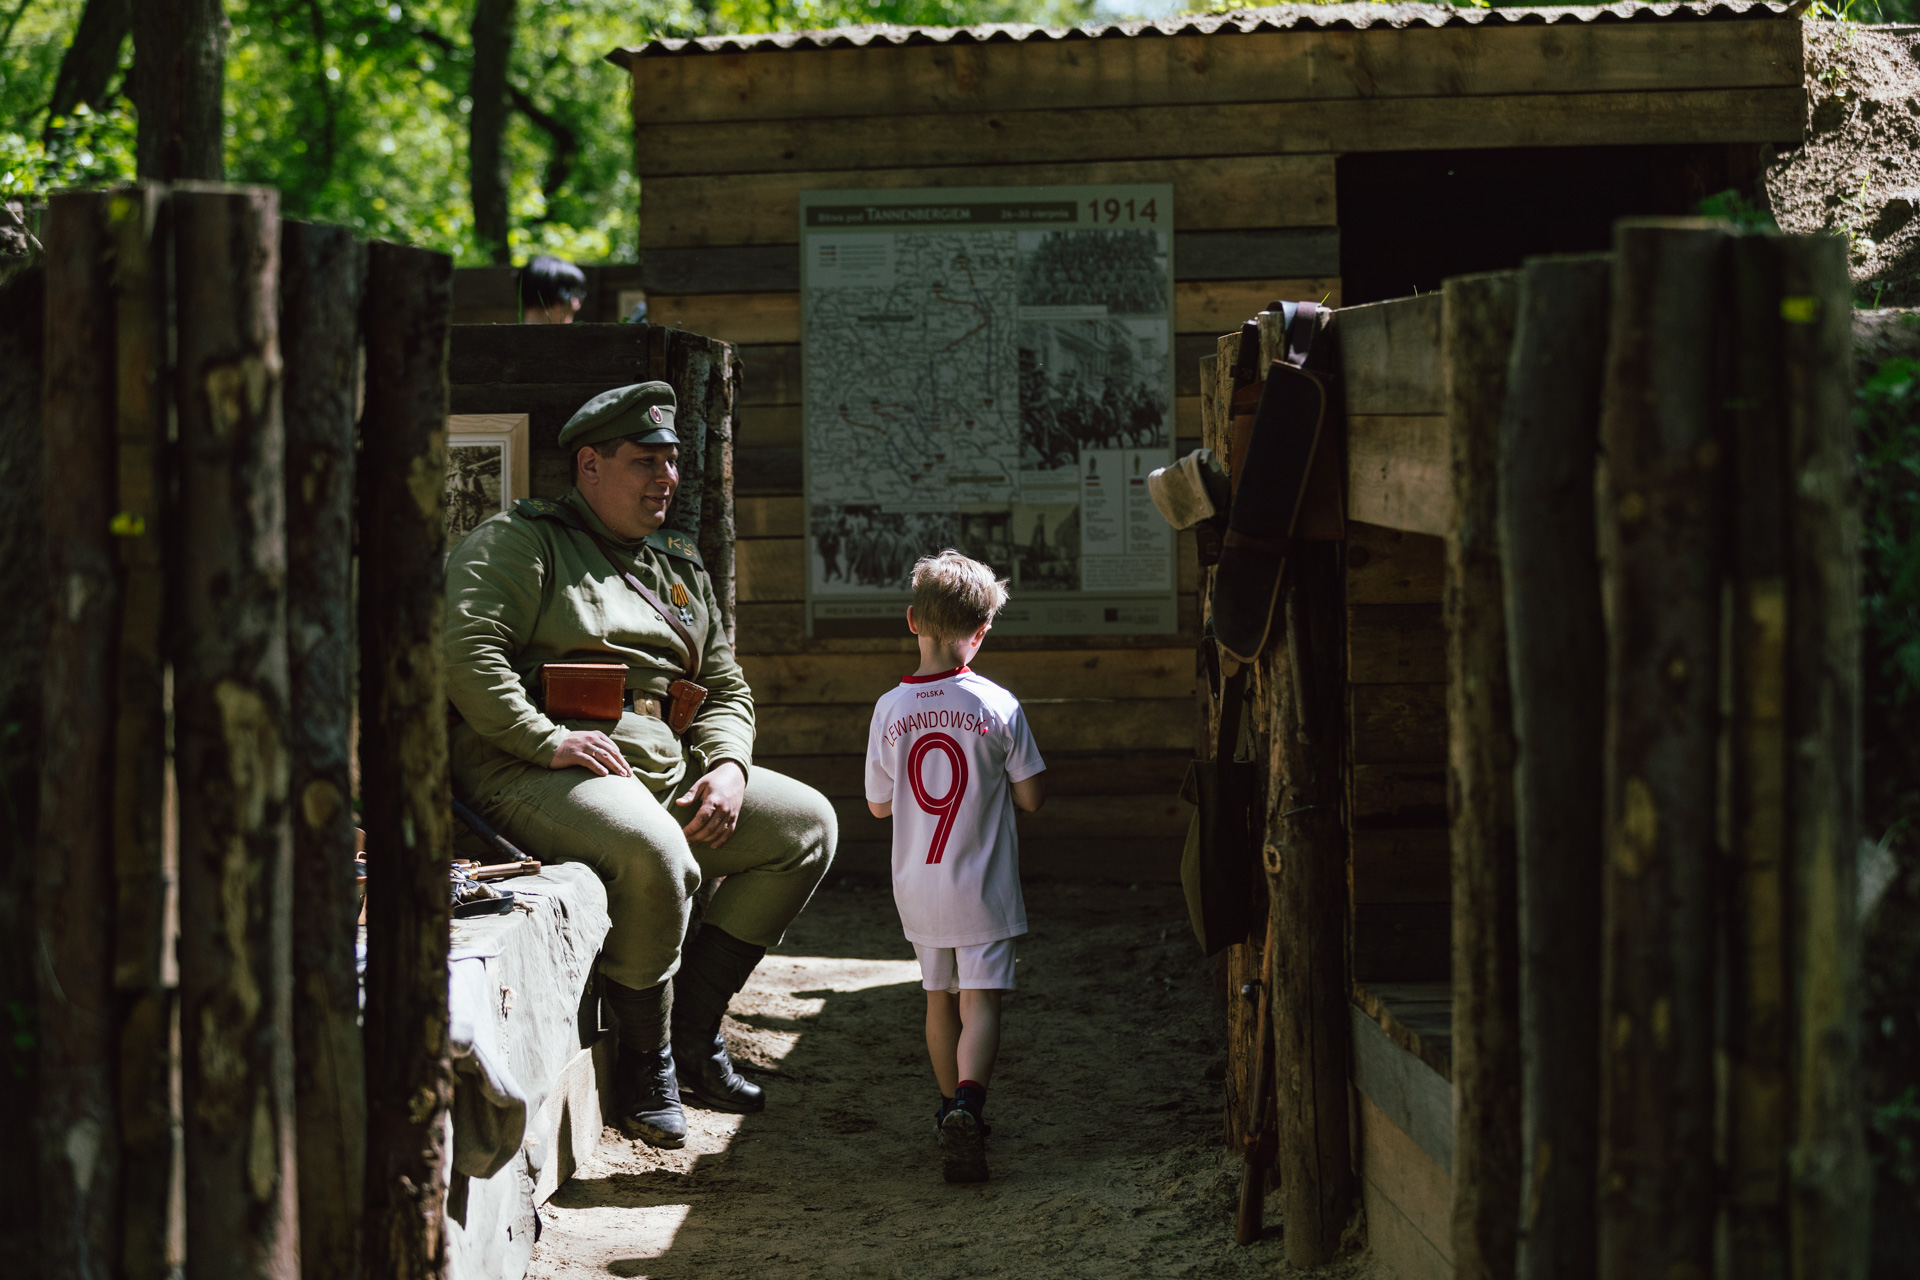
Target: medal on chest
{"x": 681, "y": 599}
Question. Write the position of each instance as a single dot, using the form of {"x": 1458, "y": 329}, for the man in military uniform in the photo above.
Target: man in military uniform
{"x": 653, "y": 813}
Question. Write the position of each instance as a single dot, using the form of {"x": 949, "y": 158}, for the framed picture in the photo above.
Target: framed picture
{"x": 486, "y": 468}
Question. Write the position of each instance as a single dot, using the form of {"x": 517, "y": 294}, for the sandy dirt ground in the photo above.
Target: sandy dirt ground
{"x": 1106, "y": 1111}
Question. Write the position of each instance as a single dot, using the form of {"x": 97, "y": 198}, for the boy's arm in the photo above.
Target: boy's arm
{"x": 879, "y": 781}
{"x": 1028, "y": 793}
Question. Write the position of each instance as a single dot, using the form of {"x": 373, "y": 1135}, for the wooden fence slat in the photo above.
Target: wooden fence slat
{"x": 141, "y": 945}
{"x": 1226, "y": 193}
{"x": 23, "y": 634}
{"x": 1390, "y": 357}
{"x": 1830, "y": 1184}
{"x": 1396, "y": 644}
{"x": 403, "y": 759}
{"x": 1556, "y": 651}
{"x": 1392, "y": 566}
{"x": 322, "y": 282}
{"x": 1399, "y": 723}
{"x": 1477, "y": 323}
{"x": 1757, "y": 936}
{"x": 1306, "y": 854}
{"x": 1397, "y": 472}
{"x": 231, "y": 744}
{"x": 1396, "y": 864}
{"x": 77, "y": 1127}
{"x": 1222, "y": 66}
{"x": 1660, "y": 522}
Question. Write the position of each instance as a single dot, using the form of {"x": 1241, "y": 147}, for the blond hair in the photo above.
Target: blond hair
{"x": 954, "y": 596}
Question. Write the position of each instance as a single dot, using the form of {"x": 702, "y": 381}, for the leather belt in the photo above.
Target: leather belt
{"x": 637, "y": 702}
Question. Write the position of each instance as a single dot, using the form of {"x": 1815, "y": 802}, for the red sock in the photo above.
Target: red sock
{"x": 979, "y": 1092}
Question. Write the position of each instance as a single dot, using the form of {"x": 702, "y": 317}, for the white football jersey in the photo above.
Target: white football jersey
{"x": 945, "y": 750}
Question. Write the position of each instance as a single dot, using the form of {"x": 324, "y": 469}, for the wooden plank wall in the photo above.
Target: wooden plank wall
{"x": 1396, "y": 643}
{"x": 1245, "y": 127}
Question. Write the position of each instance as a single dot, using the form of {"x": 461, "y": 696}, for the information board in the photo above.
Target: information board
{"x": 989, "y": 369}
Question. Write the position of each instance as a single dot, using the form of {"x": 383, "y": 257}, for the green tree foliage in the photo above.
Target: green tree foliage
{"x": 357, "y": 109}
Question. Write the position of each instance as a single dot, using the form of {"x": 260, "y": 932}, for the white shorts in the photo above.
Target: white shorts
{"x": 987, "y": 967}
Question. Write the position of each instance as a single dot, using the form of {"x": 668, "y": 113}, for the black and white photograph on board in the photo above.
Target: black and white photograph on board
{"x": 1091, "y": 384}
{"x": 862, "y": 548}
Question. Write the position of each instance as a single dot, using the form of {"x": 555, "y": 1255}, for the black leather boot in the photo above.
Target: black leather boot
{"x": 647, "y": 1098}
{"x": 714, "y": 966}
{"x": 702, "y": 1062}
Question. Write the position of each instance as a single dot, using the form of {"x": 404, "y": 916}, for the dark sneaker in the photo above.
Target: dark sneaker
{"x": 647, "y": 1099}
{"x": 707, "y": 1074}
{"x": 963, "y": 1147}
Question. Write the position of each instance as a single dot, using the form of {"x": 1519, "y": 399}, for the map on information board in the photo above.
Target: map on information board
{"x": 989, "y": 369}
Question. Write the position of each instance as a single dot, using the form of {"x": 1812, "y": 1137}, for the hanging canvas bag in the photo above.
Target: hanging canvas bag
{"x": 1220, "y": 867}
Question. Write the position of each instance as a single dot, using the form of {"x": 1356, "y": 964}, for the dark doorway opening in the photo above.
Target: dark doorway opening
{"x": 1410, "y": 219}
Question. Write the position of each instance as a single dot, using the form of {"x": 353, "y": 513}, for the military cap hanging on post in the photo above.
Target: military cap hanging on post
{"x": 642, "y": 413}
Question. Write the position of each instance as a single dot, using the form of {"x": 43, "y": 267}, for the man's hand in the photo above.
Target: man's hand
{"x": 590, "y": 749}
{"x": 716, "y": 800}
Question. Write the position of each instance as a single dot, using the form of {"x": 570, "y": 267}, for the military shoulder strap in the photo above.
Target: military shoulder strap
{"x": 542, "y": 508}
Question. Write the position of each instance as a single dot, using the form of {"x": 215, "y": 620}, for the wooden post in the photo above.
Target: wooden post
{"x": 705, "y": 377}
{"x": 1556, "y": 650}
{"x": 1477, "y": 324}
{"x": 322, "y": 279}
{"x": 1306, "y": 863}
{"x": 1661, "y": 505}
{"x": 405, "y": 798}
{"x": 1756, "y": 756}
{"x": 78, "y": 1122}
{"x": 231, "y": 744}
{"x": 1829, "y": 1185}
{"x": 143, "y": 952}
{"x": 23, "y": 633}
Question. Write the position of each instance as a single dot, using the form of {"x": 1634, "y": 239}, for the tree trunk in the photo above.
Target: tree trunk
{"x": 1477, "y": 323}
{"x": 79, "y": 1131}
{"x": 487, "y": 124}
{"x": 231, "y": 740}
{"x": 1661, "y": 529}
{"x": 1830, "y": 1182}
{"x": 143, "y": 949}
{"x": 179, "y": 74}
{"x": 1306, "y": 863}
{"x": 1556, "y": 652}
{"x": 406, "y": 800}
{"x": 91, "y": 61}
{"x": 23, "y": 633}
{"x": 322, "y": 281}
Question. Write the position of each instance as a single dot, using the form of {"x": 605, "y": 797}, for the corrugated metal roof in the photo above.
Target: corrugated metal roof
{"x": 1286, "y": 17}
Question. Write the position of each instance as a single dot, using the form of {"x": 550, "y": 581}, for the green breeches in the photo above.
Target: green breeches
{"x": 632, "y": 839}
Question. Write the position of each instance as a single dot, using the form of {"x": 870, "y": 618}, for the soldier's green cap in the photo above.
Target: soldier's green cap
{"x": 643, "y": 411}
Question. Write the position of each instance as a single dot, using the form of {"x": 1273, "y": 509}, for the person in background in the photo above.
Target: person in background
{"x": 550, "y": 291}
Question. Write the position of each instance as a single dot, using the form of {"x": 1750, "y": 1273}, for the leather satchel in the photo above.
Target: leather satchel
{"x": 584, "y": 690}
{"x": 1220, "y": 867}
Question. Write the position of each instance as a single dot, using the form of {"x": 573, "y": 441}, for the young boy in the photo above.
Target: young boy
{"x": 949, "y": 756}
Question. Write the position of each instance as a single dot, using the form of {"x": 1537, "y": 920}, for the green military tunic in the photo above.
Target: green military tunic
{"x": 529, "y": 587}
